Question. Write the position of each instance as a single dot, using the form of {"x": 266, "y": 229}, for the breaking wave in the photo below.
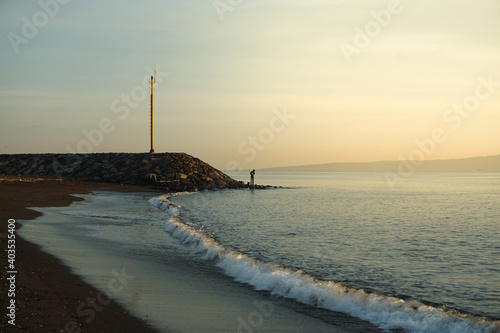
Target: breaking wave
{"x": 383, "y": 311}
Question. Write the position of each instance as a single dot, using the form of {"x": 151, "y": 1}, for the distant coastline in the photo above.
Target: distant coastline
{"x": 488, "y": 163}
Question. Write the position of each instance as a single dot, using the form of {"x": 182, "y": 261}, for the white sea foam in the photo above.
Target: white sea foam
{"x": 385, "y": 312}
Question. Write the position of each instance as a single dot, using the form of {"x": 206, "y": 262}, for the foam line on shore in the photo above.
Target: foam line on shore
{"x": 385, "y": 312}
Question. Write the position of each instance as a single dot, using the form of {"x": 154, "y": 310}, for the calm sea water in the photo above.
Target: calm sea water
{"x": 421, "y": 257}
{"x": 424, "y": 256}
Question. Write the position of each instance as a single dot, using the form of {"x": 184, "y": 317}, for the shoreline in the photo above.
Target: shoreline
{"x": 47, "y": 293}
{"x": 166, "y": 283}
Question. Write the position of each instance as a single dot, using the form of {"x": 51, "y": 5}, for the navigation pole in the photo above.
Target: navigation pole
{"x": 153, "y": 81}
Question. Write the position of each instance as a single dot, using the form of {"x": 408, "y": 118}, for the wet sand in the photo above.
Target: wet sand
{"x": 47, "y": 294}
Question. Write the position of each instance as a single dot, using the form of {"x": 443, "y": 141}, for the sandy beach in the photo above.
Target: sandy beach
{"x": 174, "y": 293}
{"x": 47, "y": 294}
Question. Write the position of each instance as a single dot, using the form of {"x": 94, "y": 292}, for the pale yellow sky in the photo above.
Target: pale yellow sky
{"x": 359, "y": 80}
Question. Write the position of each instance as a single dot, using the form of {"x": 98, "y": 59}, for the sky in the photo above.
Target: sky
{"x": 253, "y": 84}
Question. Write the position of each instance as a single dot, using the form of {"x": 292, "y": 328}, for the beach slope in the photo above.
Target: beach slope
{"x": 47, "y": 294}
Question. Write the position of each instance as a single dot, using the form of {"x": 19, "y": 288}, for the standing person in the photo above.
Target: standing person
{"x": 252, "y": 178}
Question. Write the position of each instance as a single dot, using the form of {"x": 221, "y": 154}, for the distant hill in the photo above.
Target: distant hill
{"x": 489, "y": 163}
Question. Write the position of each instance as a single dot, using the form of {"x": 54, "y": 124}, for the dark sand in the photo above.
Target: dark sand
{"x": 47, "y": 293}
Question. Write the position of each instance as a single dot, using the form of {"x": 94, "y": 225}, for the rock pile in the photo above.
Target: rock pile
{"x": 172, "y": 172}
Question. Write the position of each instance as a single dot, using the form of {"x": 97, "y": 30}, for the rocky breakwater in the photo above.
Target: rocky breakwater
{"x": 172, "y": 172}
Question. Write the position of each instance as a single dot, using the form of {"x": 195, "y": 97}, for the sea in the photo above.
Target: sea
{"x": 319, "y": 252}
